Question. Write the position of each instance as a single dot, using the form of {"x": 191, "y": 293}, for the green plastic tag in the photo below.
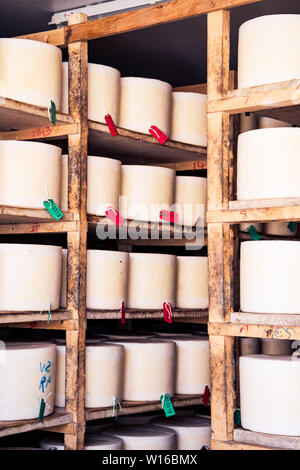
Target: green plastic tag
{"x": 167, "y": 405}
{"x": 53, "y": 209}
{"x": 292, "y": 226}
{"x": 42, "y": 410}
{"x": 53, "y": 113}
{"x": 237, "y": 417}
{"x": 253, "y": 233}
{"x": 49, "y": 316}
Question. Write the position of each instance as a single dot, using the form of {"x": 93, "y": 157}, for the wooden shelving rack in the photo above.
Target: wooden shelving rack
{"x": 279, "y": 101}
{"x": 32, "y": 124}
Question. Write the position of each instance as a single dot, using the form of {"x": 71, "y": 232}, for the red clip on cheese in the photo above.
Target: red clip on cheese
{"x": 167, "y": 312}
{"x": 111, "y": 125}
{"x": 206, "y": 396}
{"x": 123, "y": 320}
{"x": 169, "y": 216}
{"x": 158, "y": 135}
{"x": 115, "y": 216}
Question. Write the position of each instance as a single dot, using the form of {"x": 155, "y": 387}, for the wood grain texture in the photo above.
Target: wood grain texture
{"x": 232, "y": 445}
{"x": 267, "y": 214}
{"x": 267, "y": 440}
{"x": 145, "y": 314}
{"x": 59, "y": 417}
{"x": 41, "y": 133}
{"x": 289, "y": 330}
{"x": 134, "y": 20}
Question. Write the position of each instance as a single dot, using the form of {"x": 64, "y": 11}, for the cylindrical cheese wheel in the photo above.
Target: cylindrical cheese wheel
{"x": 144, "y": 103}
{"x": 106, "y": 279}
{"x": 63, "y": 285}
{"x": 279, "y": 347}
{"x": 64, "y": 199}
{"x": 103, "y": 92}
{"x": 266, "y": 122}
{"x": 269, "y": 394}
{"x": 267, "y": 51}
{"x": 247, "y": 122}
{"x": 30, "y": 277}
{"x": 104, "y": 184}
{"x": 27, "y": 375}
{"x": 30, "y": 72}
{"x": 192, "y": 282}
{"x": 30, "y": 173}
{"x": 101, "y": 442}
{"x": 145, "y": 191}
{"x": 192, "y": 433}
{"x": 282, "y": 229}
{"x": 191, "y": 199}
{"x": 189, "y": 118}
{"x": 144, "y": 437}
{"x": 246, "y": 226}
{"x": 152, "y": 279}
{"x": 149, "y": 369}
{"x": 192, "y": 364}
{"x": 269, "y": 273}
{"x": 249, "y": 346}
{"x": 260, "y": 173}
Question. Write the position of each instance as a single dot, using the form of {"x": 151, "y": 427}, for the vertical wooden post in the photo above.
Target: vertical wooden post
{"x": 220, "y": 236}
{"x": 77, "y": 241}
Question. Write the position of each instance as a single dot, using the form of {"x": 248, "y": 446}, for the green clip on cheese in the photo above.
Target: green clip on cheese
{"x": 42, "y": 410}
{"x": 237, "y": 417}
{"x": 292, "y": 226}
{"x": 53, "y": 209}
{"x": 53, "y": 113}
{"x": 167, "y": 405}
{"x": 253, "y": 233}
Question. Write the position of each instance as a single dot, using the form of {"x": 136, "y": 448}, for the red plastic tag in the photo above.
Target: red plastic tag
{"x": 206, "y": 396}
{"x": 115, "y": 216}
{"x": 158, "y": 134}
{"x": 111, "y": 125}
{"x": 168, "y": 312}
{"x": 169, "y": 216}
{"x": 123, "y": 320}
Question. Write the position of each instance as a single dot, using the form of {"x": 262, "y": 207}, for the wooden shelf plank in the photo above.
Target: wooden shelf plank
{"x": 145, "y": 314}
{"x": 42, "y": 227}
{"x": 232, "y": 445}
{"x": 247, "y": 330}
{"x": 263, "y": 214}
{"x": 137, "y": 19}
{"x": 35, "y": 317}
{"x": 17, "y": 115}
{"x": 130, "y": 408}
{"x": 134, "y": 147}
{"x": 58, "y": 418}
{"x": 264, "y": 203}
{"x": 11, "y": 215}
{"x": 277, "y": 100}
{"x": 266, "y": 319}
{"x": 267, "y": 440}
{"x": 41, "y": 133}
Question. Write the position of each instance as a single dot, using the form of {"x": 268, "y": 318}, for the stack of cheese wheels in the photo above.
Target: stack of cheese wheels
{"x": 247, "y": 122}
{"x": 106, "y": 279}
{"x": 64, "y": 199}
{"x": 103, "y": 92}
{"x": 262, "y": 50}
{"x": 149, "y": 369}
{"x": 189, "y": 118}
{"x": 152, "y": 279}
{"x": 266, "y": 122}
{"x": 192, "y": 433}
{"x": 192, "y": 364}
{"x": 269, "y": 272}
{"x": 192, "y": 282}
{"x": 30, "y": 173}
{"x": 146, "y": 191}
{"x": 104, "y": 374}
{"x": 260, "y": 173}
{"x": 104, "y": 184}
{"x": 191, "y": 200}
{"x": 30, "y": 72}
{"x": 264, "y": 382}
{"x": 99, "y": 442}
{"x": 27, "y": 375}
{"x": 274, "y": 347}
{"x": 249, "y": 346}
{"x": 144, "y": 103}
{"x": 148, "y": 437}
{"x": 246, "y": 226}
{"x": 64, "y": 279}
{"x": 30, "y": 277}
{"x": 282, "y": 229}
